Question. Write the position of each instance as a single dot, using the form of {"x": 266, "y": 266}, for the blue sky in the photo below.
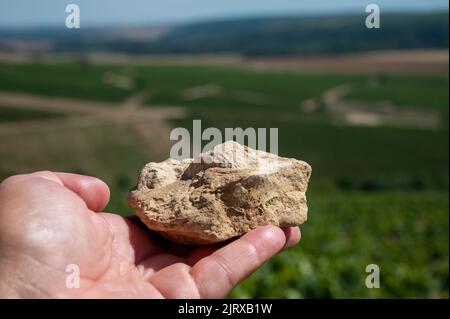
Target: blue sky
{"x": 19, "y": 13}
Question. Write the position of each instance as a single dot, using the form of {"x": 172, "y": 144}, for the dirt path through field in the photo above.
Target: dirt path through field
{"x": 150, "y": 123}
{"x": 370, "y": 114}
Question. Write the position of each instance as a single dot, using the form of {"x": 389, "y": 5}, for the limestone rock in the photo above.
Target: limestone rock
{"x": 221, "y": 194}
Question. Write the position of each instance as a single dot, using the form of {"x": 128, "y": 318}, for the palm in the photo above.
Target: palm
{"x": 116, "y": 256}
{"x": 142, "y": 265}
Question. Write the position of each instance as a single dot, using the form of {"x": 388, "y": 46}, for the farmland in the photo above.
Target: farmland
{"x": 379, "y": 189}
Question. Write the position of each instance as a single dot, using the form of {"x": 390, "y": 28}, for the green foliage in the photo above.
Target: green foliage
{"x": 405, "y": 234}
{"x": 74, "y": 80}
{"x": 392, "y": 210}
{"x": 349, "y": 157}
{"x": 377, "y": 194}
{"x": 11, "y": 114}
{"x": 419, "y": 91}
{"x": 281, "y": 89}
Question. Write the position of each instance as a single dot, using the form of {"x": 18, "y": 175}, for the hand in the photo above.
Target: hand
{"x": 51, "y": 220}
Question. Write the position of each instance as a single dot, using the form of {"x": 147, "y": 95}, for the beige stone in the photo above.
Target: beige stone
{"x": 221, "y": 194}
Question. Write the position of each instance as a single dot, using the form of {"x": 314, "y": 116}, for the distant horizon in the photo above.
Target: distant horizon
{"x": 217, "y": 19}
{"x": 21, "y": 14}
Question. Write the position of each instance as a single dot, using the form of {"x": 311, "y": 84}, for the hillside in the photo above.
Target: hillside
{"x": 247, "y": 36}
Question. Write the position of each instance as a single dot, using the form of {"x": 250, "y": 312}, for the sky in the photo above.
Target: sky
{"x": 31, "y": 13}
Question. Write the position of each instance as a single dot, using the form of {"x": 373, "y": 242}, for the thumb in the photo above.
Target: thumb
{"x": 93, "y": 191}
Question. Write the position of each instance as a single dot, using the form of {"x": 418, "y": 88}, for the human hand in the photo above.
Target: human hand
{"x": 51, "y": 220}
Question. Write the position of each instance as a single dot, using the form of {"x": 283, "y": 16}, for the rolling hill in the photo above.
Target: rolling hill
{"x": 264, "y": 36}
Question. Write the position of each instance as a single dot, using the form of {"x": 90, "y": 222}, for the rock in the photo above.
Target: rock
{"x": 221, "y": 194}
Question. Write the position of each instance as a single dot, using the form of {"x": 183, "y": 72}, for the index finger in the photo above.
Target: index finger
{"x": 220, "y": 272}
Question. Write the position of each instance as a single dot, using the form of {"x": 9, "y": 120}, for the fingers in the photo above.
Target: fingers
{"x": 216, "y": 270}
{"x": 175, "y": 282}
{"x": 93, "y": 191}
{"x": 201, "y": 252}
{"x": 218, "y": 273}
{"x": 293, "y": 236}
{"x": 155, "y": 263}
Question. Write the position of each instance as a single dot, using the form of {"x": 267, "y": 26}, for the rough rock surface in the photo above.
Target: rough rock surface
{"x": 221, "y": 194}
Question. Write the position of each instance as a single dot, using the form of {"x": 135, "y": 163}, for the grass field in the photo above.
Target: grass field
{"x": 420, "y": 91}
{"x": 11, "y": 114}
{"x": 77, "y": 80}
{"x": 402, "y": 232}
{"x": 378, "y": 194}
